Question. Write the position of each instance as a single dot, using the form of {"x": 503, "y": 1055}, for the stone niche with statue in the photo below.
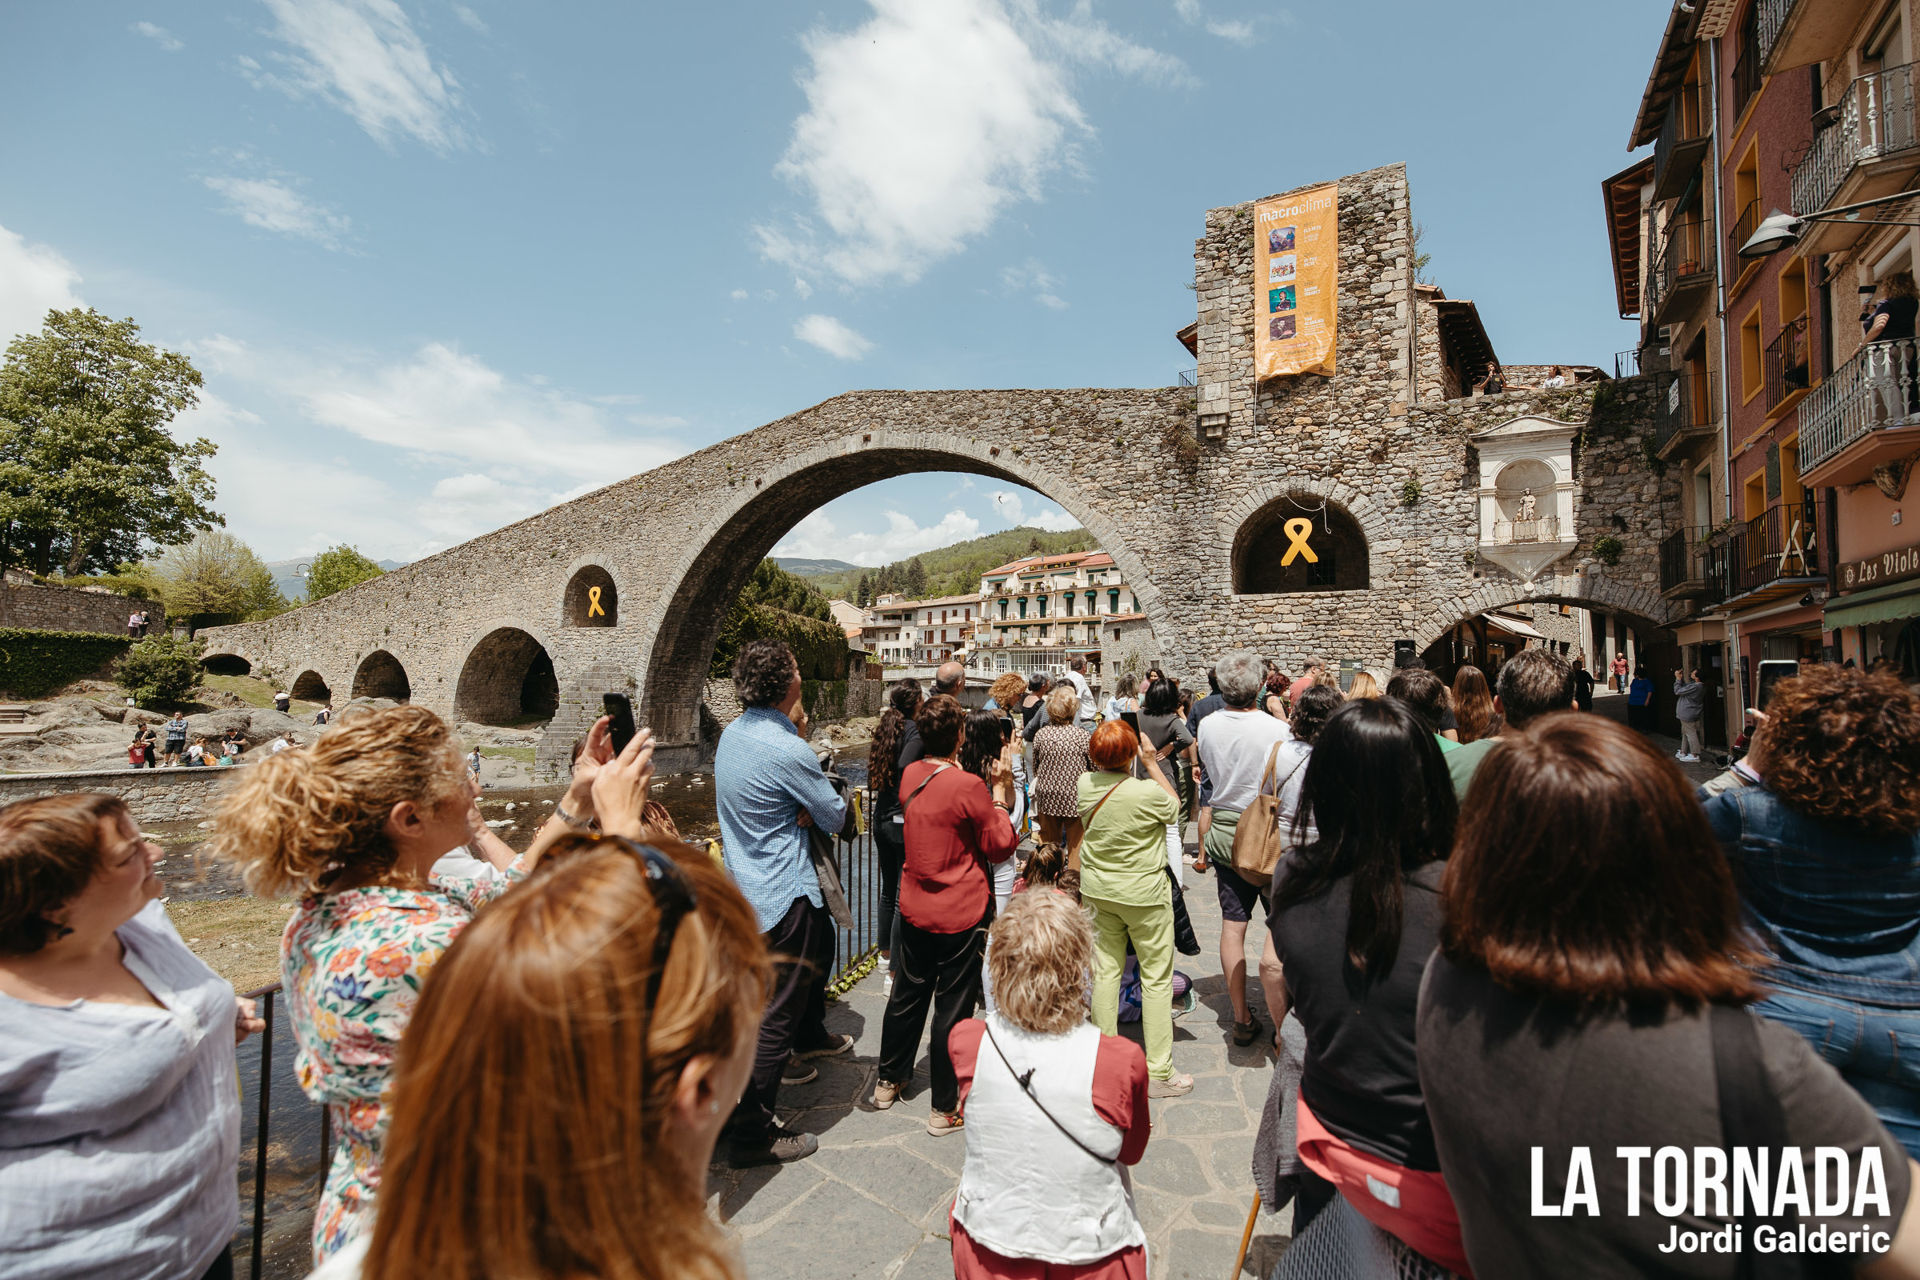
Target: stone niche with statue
{"x": 1526, "y": 494}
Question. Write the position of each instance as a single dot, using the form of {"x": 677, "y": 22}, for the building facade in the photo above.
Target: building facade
{"x": 1037, "y": 614}
{"x": 918, "y": 633}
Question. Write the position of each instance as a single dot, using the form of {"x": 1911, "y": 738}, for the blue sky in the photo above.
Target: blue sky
{"x": 444, "y": 264}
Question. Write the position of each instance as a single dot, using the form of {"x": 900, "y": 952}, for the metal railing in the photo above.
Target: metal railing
{"x": 1626, "y": 363}
{"x": 1872, "y": 120}
{"x": 1770, "y": 18}
{"x": 1743, "y": 228}
{"x": 1687, "y": 407}
{"x": 1686, "y": 125}
{"x": 1188, "y": 376}
{"x": 1746, "y": 76}
{"x": 1539, "y": 529}
{"x": 300, "y": 1185}
{"x": 1682, "y": 261}
{"x": 1782, "y": 543}
{"x": 1879, "y": 387}
{"x": 1786, "y": 363}
{"x": 1694, "y": 560}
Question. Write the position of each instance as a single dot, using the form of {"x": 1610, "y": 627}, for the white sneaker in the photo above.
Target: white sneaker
{"x": 886, "y": 988}
{"x": 1689, "y": 759}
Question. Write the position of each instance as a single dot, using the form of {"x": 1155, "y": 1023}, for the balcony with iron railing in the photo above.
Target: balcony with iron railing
{"x": 1788, "y": 372}
{"x": 1777, "y": 553}
{"x": 1683, "y": 139}
{"x": 1868, "y": 147}
{"x": 1866, "y": 413}
{"x": 1693, "y": 565}
{"x": 1682, "y": 269}
{"x": 1744, "y": 224}
{"x": 1746, "y": 77}
{"x": 1685, "y": 410}
{"x": 1797, "y": 33}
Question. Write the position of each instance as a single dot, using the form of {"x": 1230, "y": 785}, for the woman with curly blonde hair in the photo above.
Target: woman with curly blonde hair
{"x": 1054, "y": 1110}
{"x": 1826, "y": 851}
{"x": 646, "y": 965}
{"x": 354, "y": 826}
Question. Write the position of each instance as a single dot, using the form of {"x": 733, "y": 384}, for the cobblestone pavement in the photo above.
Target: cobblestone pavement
{"x": 873, "y": 1201}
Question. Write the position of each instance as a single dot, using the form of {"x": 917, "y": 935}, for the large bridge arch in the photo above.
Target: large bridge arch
{"x": 1640, "y": 605}
{"x": 757, "y": 511}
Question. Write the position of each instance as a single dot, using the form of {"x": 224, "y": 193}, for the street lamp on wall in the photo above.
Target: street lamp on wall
{"x": 1779, "y": 230}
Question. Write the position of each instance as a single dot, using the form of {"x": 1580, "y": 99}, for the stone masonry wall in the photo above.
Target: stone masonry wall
{"x": 679, "y": 541}
{"x": 40, "y": 608}
{"x": 153, "y": 795}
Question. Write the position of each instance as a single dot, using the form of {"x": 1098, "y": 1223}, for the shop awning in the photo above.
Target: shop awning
{"x": 1878, "y": 604}
{"x": 1516, "y": 626}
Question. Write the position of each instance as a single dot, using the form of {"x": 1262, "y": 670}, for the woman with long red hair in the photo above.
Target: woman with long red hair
{"x": 566, "y": 1074}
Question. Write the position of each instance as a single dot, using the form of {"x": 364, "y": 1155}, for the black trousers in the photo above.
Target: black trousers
{"x": 940, "y": 971}
{"x": 796, "y": 1018}
{"x": 892, "y": 856}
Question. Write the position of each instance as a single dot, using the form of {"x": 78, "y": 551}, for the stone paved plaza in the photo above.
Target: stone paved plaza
{"x": 873, "y": 1201}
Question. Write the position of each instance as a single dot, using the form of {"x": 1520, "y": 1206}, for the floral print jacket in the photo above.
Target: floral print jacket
{"x": 352, "y": 963}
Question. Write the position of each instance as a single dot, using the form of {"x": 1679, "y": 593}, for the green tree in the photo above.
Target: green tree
{"x": 863, "y": 592}
{"x": 774, "y": 587}
{"x": 916, "y": 579}
{"x": 217, "y": 578}
{"x": 90, "y": 477}
{"x": 336, "y": 569}
{"x": 159, "y": 672}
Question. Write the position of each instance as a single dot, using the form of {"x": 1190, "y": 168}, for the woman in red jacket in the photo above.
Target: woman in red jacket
{"x": 956, "y": 827}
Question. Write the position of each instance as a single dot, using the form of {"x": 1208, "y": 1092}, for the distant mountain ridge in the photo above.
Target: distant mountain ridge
{"x": 286, "y": 574}
{"x": 802, "y": 567}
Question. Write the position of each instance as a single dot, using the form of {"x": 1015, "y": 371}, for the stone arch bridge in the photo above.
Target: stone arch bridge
{"x": 625, "y": 588}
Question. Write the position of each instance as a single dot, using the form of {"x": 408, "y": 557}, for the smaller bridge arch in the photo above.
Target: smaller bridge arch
{"x": 310, "y": 686}
{"x": 380, "y": 675}
{"x": 226, "y": 664}
{"x": 507, "y": 678}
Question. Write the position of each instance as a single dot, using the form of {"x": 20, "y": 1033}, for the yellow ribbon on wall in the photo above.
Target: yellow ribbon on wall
{"x": 593, "y": 603}
{"x": 1297, "y": 530}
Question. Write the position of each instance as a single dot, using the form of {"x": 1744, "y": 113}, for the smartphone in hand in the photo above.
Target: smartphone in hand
{"x": 1132, "y": 719}
{"x": 620, "y": 731}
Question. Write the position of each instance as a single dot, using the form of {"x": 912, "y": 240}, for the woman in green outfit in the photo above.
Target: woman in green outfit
{"x": 1124, "y": 880}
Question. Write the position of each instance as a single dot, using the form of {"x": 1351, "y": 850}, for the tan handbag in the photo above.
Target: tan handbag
{"x": 1257, "y": 842}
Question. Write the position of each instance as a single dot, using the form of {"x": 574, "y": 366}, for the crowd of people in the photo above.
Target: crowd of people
{"x": 1508, "y": 931}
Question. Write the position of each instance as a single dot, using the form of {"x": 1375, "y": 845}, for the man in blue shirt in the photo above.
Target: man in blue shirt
{"x": 769, "y": 788}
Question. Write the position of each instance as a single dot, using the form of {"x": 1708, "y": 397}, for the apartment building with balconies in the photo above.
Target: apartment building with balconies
{"x": 1859, "y": 423}
{"x": 1037, "y": 613}
{"x": 1668, "y": 219}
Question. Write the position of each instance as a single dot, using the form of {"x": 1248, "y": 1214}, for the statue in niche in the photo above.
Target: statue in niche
{"x": 1529, "y": 507}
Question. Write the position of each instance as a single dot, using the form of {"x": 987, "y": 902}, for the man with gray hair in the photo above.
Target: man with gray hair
{"x": 1234, "y": 745}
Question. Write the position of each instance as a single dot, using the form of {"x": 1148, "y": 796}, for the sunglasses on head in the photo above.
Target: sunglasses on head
{"x": 673, "y": 898}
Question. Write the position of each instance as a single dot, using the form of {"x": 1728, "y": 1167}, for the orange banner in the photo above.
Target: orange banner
{"x": 1296, "y": 278}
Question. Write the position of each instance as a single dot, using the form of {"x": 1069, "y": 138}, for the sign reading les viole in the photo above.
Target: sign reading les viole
{"x": 1296, "y": 276}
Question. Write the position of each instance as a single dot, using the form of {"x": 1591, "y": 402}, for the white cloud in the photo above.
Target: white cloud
{"x": 364, "y": 57}
{"x": 34, "y": 280}
{"x": 738, "y": 295}
{"x": 444, "y": 406}
{"x": 1237, "y": 31}
{"x": 1033, "y": 276}
{"x": 927, "y": 122}
{"x": 473, "y": 20}
{"x": 816, "y": 538}
{"x": 273, "y": 205}
{"x": 1011, "y": 506}
{"x": 160, "y": 36}
{"x": 831, "y": 336}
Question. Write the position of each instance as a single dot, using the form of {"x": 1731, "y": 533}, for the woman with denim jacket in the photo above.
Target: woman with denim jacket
{"x": 1826, "y": 851}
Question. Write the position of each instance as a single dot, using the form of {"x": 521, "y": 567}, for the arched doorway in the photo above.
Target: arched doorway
{"x": 226, "y": 664}
{"x": 688, "y": 619}
{"x": 1300, "y": 543}
{"x": 380, "y": 675}
{"x": 507, "y": 680}
{"x": 309, "y": 686}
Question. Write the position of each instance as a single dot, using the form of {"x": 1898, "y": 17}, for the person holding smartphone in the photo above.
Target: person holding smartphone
{"x": 769, "y": 788}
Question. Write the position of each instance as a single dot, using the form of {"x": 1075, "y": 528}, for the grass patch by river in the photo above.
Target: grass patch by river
{"x": 239, "y": 937}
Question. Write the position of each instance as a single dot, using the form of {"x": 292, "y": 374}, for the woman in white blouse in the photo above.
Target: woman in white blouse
{"x": 119, "y": 1106}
